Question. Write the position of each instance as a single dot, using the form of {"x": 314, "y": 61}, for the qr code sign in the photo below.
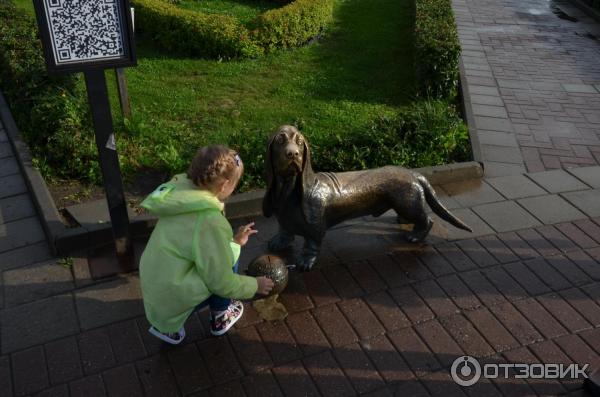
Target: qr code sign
{"x": 84, "y": 30}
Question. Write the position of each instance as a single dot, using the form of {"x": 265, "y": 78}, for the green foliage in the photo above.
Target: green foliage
{"x": 427, "y": 133}
{"x": 191, "y": 32}
{"x": 292, "y": 25}
{"x": 51, "y": 111}
{"x": 437, "y": 48}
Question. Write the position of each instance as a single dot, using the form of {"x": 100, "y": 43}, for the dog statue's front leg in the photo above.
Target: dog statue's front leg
{"x": 309, "y": 255}
{"x": 281, "y": 241}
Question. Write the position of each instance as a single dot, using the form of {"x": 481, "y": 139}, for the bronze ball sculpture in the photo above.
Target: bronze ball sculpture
{"x": 307, "y": 203}
{"x": 273, "y": 267}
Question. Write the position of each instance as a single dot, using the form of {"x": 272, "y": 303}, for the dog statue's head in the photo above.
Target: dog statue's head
{"x": 288, "y": 156}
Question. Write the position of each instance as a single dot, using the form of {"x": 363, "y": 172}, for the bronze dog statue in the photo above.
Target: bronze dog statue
{"x": 308, "y": 203}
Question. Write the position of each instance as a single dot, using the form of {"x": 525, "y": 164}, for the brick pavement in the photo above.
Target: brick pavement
{"x": 534, "y": 83}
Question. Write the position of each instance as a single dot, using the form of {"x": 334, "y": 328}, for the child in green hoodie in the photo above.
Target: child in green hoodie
{"x": 191, "y": 258}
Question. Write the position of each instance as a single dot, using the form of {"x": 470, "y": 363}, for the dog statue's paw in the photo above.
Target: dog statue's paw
{"x": 305, "y": 262}
{"x": 280, "y": 242}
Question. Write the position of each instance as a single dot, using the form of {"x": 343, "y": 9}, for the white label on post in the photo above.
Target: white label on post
{"x": 132, "y": 19}
{"x": 111, "y": 144}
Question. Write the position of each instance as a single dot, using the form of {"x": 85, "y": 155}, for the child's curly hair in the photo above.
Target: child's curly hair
{"x": 214, "y": 163}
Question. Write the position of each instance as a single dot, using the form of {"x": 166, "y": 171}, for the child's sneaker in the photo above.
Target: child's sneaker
{"x": 220, "y": 322}
{"x": 173, "y": 338}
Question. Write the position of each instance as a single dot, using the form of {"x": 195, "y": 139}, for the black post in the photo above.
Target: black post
{"x": 95, "y": 82}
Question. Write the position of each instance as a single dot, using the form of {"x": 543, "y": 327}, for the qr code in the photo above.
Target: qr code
{"x": 84, "y": 30}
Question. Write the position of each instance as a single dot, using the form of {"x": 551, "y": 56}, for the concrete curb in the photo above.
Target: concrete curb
{"x": 467, "y": 110}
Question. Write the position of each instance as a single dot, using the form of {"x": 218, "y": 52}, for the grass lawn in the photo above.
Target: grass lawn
{"x": 360, "y": 69}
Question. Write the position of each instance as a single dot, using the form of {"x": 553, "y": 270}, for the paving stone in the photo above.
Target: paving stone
{"x": 20, "y": 233}
{"x": 544, "y": 387}
{"x": 576, "y": 235}
{"x": 232, "y": 389}
{"x": 491, "y": 100}
{"x": 472, "y": 192}
{"x": 36, "y": 281}
{"x": 441, "y": 384}
{"x": 334, "y": 325}
{"x": 294, "y": 380}
{"x": 389, "y": 363}
{"x": 63, "y": 360}
{"x": 466, "y": 336}
{"x": 386, "y": 310}
{"x": 389, "y": 271}
{"x": 328, "y": 376}
{"x": 496, "y": 169}
{"x": 438, "y": 340}
{"x": 106, "y": 303}
{"x": 358, "y": 368}
{"x": 361, "y": 318}
{"x": 518, "y": 325}
{"x": 456, "y": 257}
{"x": 253, "y": 355}
{"x": 408, "y": 268}
{"x": 578, "y": 350}
{"x": 483, "y": 90}
{"x": 190, "y": 370}
{"x": 591, "y": 337}
{"x": 496, "y": 138}
{"x": 585, "y": 263}
{"x": 489, "y": 110}
{"x": 436, "y": 263}
{"x": 549, "y": 353}
{"x": 484, "y": 290}
{"x": 551, "y": 209}
{"x": 548, "y": 274}
{"x": 516, "y": 186}
{"x": 563, "y": 312}
{"x": 493, "y": 124}
{"x": 321, "y": 292}
{"x": 435, "y": 297}
{"x": 586, "y": 201}
{"x": 497, "y": 249}
{"x": 583, "y": 304}
{"x": 342, "y": 281}
{"x": 502, "y": 154}
{"x": 152, "y": 344}
{"x": 278, "y": 339}
{"x": 29, "y": 371}
{"x": 538, "y": 242}
{"x": 9, "y": 166}
{"x": 492, "y": 330}
{"x": 156, "y": 377}
{"x": 295, "y": 296}
{"x": 517, "y": 245}
{"x": 526, "y": 278}
{"x": 5, "y": 377}
{"x": 483, "y": 388}
{"x": 412, "y": 388}
{"x": 410, "y": 303}
{"x": 415, "y": 352}
{"x": 122, "y": 382}
{"x": 505, "y": 216}
{"x": 307, "y": 333}
{"x": 250, "y": 317}
{"x": 366, "y": 276}
{"x": 579, "y": 88}
{"x": 557, "y": 181}
{"x": 91, "y": 386}
{"x": 569, "y": 270}
{"x": 459, "y": 292}
{"x": 126, "y": 341}
{"x": 37, "y": 322}
{"x": 96, "y": 352}
{"x": 589, "y": 175}
{"x": 507, "y": 285}
{"x": 477, "y": 253}
{"x": 357, "y": 242}
{"x": 57, "y": 391}
{"x": 223, "y": 366}
{"x": 12, "y": 185}
{"x": 15, "y": 208}
{"x": 261, "y": 384}
{"x": 559, "y": 240}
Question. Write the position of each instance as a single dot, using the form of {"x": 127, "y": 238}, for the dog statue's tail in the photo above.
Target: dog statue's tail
{"x": 437, "y": 206}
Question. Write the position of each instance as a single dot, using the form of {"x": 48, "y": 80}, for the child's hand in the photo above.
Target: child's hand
{"x": 241, "y": 237}
{"x": 265, "y": 285}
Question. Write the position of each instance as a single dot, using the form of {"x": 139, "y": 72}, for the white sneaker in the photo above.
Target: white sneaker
{"x": 173, "y": 338}
{"x": 221, "y": 322}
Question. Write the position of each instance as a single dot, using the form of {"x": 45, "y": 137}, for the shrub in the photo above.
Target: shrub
{"x": 212, "y": 35}
{"x": 292, "y": 25}
{"x": 51, "y": 111}
{"x": 437, "y": 48}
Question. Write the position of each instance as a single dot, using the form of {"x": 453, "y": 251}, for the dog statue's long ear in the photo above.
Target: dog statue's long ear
{"x": 307, "y": 183}
{"x": 267, "y": 205}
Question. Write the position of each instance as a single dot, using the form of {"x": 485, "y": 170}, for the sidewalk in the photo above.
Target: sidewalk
{"x": 377, "y": 316}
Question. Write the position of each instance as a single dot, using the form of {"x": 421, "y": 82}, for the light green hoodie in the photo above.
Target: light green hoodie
{"x": 190, "y": 254}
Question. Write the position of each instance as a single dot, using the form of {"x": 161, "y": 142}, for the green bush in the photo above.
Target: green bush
{"x": 211, "y": 35}
{"x": 292, "y": 25}
{"x": 51, "y": 111}
{"x": 437, "y": 48}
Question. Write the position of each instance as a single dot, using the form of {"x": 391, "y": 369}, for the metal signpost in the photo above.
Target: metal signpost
{"x": 90, "y": 36}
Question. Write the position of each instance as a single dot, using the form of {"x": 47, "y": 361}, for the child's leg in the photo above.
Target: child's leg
{"x": 224, "y": 312}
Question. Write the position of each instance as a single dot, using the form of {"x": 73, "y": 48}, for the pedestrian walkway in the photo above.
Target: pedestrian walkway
{"x": 377, "y": 316}
{"x": 533, "y": 75}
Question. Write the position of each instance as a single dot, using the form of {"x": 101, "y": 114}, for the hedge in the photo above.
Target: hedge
{"x": 51, "y": 111}
{"x": 292, "y": 25}
{"x": 222, "y": 36}
{"x": 437, "y": 48}
{"x": 211, "y": 35}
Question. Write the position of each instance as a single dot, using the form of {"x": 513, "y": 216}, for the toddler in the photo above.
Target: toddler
{"x": 191, "y": 258}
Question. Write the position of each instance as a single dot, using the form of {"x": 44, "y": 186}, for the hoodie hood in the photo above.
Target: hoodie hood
{"x": 179, "y": 196}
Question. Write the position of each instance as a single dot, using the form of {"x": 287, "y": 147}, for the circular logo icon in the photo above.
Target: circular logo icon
{"x": 466, "y": 371}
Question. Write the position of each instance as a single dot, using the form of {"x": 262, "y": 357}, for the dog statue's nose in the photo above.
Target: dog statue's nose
{"x": 292, "y": 153}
